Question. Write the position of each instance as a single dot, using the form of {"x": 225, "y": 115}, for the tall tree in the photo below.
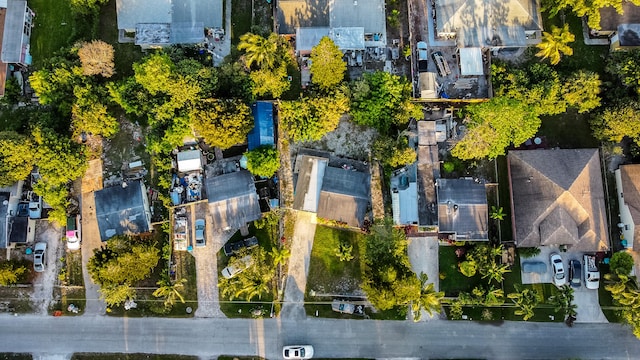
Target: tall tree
{"x": 308, "y": 119}
{"x": 617, "y": 122}
{"x": 429, "y": 300}
{"x": 17, "y": 157}
{"x": 263, "y": 161}
{"x": 269, "y": 83}
{"x": 222, "y": 123}
{"x": 259, "y": 50}
{"x": 585, "y": 8}
{"x": 625, "y": 65}
{"x": 581, "y": 90}
{"x": 89, "y": 113}
{"x": 494, "y": 125}
{"x": 554, "y": 44}
{"x": 96, "y": 58}
{"x": 170, "y": 291}
{"x": 327, "y": 67}
{"x": 525, "y": 301}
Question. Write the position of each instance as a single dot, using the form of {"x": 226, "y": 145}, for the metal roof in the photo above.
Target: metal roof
{"x": 471, "y": 61}
{"x": 309, "y": 182}
{"x": 262, "y": 132}
{"x": 122, "y": 210}
{"x": 189, "y": 160}
{"x": 15, "y": 42}
{"x": 233, "y": 200}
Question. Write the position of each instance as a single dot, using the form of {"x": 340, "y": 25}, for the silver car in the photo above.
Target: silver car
{"x": 559, "y": 275}
{"x": 200, "y": 224}
{"x": 39, "y": 256}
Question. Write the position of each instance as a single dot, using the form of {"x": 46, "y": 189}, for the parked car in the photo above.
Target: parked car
{"x": 35, "y": 207}
{"x": 297, "y": 352}
{"x": 39, "y": 256}
{"x": 591, "y": 272}
{"x": 200, "y": 224}
{"x": 237, "y": 267}
{"x": 231, "y": 248}
{"x": 74, "y": 237}
{"x": 559, "y": 275}
{"x": 423, "y": 61}
{"x": 575, "y": 273}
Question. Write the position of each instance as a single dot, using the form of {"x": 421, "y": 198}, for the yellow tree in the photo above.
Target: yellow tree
{"x": 554, "y": 44}
{"x": 259, "y": 50}
{"x": 327, "y": 66}
{"x": 96, "y": 58}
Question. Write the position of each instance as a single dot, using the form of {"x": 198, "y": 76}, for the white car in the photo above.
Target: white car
{"x": 559, "y": 274}
{"x": 237, "y": 267}
{"x": 39, "y": 256}
{"x": 73, "y": 233}
{"x": 200, "y": 232}
{"x": 297, "y": 352}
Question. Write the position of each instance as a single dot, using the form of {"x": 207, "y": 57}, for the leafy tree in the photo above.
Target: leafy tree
{"x": 222, "y": 123}
{"x": 429, "y": 300}
{"x": 493, "y": 126}
{"x": 90, "y": 115}
{"x": 554, "y": 44}
{"x": 584, "y": 8}
{"x": 115, "y": 295}
{"x": 170, "y": 291}
{"x": 205, "y": 76}
{"x": 234, "y": 82}
{"x": 495, "y": 271}
{"x": 394, "y": 153}
{"x": 271, "y": 83}
{"x": 17, "y": 157}
{"x": 581, "y": 90}
{"x": 279, "y": 255}
{"x": 617, "y": 122}
{"x": 563, "y": 301}
{"x": 625, "y": 65}
{"x": 621, "y": 263}
{"x": 327, "y": 67}
{"x": 85, "y": 7}
{"x": 263, "y": 161}
{"x": 155, "y": 73}
{"x": 625, "y": 294}
{"x": 259, "y": 50}
{"x": 55, "y": 86}
{"x": 9, "y": 273}
{"x": 96, "y": 58}
{"x": 381, "y": 99}
{"x": 525, "y": 300}
{"x": 308, "y": 119}
{"x": 497, "y": 213}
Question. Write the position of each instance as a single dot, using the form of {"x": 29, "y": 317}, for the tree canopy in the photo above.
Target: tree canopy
{"x": 625, "y": 65}
{"x": 327, "y": 67}
{"x": 222, "y": 123}
{"x": 263, "y": 161}
{"x": 381, "y": 99}
{"x": 96, "y": 58}
{"x": 308, "y": 119}
{"x": 617, "y": 122}
{"x": 585, "y": 8}
{"x": 555, "y": 43}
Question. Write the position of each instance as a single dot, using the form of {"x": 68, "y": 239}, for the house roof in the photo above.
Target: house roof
{"x": 367, "y": 14}
{"x": 471, "y": 62}
{"x": 309, "y": 182}
{"x": 462, "y": 208}
{"x": 122, "y": 211}
{"x": 3, "y": 66}
{"x": 292, "y": 14}
{"x": 233, "y": 200}
{"x": 482, "y": 23}
{"x": 344, "y": 196}
{"x": 557, "y": 198}
{"x": 404, "y": 195}
{"x": 17, "y": 229}
{"x": 610, "y": 19}
{"x": 15, "y": 43}
{"x": 630, "y": 179}
{"x": 427, "y": 133}
{"x": 262, "y": 132}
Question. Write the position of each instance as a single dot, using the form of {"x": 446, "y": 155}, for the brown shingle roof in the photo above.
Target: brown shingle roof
{"x": 557, "y": 198}
{"x": 610, "y": 19}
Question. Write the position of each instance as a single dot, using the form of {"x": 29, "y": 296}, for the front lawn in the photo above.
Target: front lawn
{"x": 54, "y": 28}
{"x": 454, "y": 282}
{"x": 72, "y": 289}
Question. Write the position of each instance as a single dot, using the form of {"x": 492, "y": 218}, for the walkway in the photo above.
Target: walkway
{"x": 303, "y": 234}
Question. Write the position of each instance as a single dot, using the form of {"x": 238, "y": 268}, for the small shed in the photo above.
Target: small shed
{"x": 190, "y": 160}
{"x": 471, "y": 61}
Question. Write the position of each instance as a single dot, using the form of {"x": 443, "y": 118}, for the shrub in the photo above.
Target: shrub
{"x": 529, "y": 252}
{"x": 621, "y": 263}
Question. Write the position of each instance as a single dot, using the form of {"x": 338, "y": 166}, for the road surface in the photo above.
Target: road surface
{"x": 208, "y": 338}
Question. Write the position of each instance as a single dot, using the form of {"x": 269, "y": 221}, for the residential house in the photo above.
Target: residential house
{"x": 233, "y": 200}
{"x": 428, "y": 169}
{"x": 622, "y": 29}
{"x": 14, "y": 220}
{"x": 557, "y": 199}
{"x": 123, "y": 210}
{"x": 351, "y": 24}
{"x": 628, "y": 186}
{"x": 263, "y": 132}
{"x": 158, "y": 23}
{"x": 462, "y": 209}
{"x": 335, "y": 193}
{"x": 404, "y": 195}
{"x": 16, "y": 21}
{"x": 489, "y": 24}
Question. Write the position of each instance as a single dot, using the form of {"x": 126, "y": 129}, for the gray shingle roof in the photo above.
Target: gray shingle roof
{"x": 233, "y": 200}
{"x": 462, "y": 208}
{"x": 122, "y": 210}
{"x": 557, "y": 198}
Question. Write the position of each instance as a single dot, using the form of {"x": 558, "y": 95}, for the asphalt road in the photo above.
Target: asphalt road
{"x": 208, "y": 338}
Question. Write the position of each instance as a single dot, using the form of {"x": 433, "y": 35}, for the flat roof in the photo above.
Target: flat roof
{"x": 189, "y": 160}
{"x": 121, "y": 211}
{"x": 15, "y": 42}
{"x": 471, "y": 61}
{"x": 462, "y": 208}
{"x": 367, "y": 14}
{"x": 293, "y": 14}
{"x": 404, "y": 196}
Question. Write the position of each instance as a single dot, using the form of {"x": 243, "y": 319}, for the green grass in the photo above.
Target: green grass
{"x": 54, "y": 28}
{"x": 125, "y": 54}
{"x": 454, "y": 282}
{"x": 240, "y": 19}
{"x": 73, "y": 292}
{"x": 107, "y": 356}
{"x": 570, "y": 130}
{"x": 505, "y": 198}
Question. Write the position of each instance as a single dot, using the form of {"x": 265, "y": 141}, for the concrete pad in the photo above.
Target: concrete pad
{"x": 423, "y": 256}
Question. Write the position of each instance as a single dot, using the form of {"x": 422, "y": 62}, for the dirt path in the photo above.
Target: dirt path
{"x": 43, "y": 284}
{"x": 301, "y": 246}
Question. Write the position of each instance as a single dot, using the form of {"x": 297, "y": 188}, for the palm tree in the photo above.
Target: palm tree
{"x": 259, "y": 50}
{"x": 496, "y": 271}
{"x": 170, "y": 291}
{"x": 257, "y": 284}
{"x": 497, "y": 213}
{"x": 555, "y": 43}
{"x": 429, "y": 299}
{"x": 280, "y": 255}
{"x": 525, "y": 300}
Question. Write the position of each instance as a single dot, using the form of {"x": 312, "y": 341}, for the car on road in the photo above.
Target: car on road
{"x": 236, "y": 267}
{"x": 423, "y": 61}
{"x": 297, "y": 352}
{"x": 575, "y": 273}
{"x": 559, "y": 275}
{"x": 231, "y": 248}
{"x": 39, "y": 256}
{"x": 200, "y": 225}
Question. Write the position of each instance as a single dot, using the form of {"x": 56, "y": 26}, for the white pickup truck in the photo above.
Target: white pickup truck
{"x": 591, "y": 273}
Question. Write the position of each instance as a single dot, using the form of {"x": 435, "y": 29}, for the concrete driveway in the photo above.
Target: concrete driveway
{"x": 43, "y": 283}
{"x": 423, "y": 255}
{"x": 303, "y": 234}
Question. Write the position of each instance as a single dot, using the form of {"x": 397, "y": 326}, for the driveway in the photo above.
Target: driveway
{"x": 43, "y": 283}
{"x": 302, "y": 243}
{"x": 423, "y": 255}
{"x": 589, "y": 310}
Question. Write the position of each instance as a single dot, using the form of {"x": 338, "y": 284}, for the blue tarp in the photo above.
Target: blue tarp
{"x": 262, "y": 132}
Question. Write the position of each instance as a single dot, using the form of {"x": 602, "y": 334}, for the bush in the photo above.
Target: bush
{"x": 621, "y": 263}
{"x": 529, "y": 252}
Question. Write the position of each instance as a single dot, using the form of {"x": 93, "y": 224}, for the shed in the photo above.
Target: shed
{"x": 190, "y": 160}
{"x": 262, "y": 132}
{"x": 471, "y": 61}
{"x": 123, "y": 210}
